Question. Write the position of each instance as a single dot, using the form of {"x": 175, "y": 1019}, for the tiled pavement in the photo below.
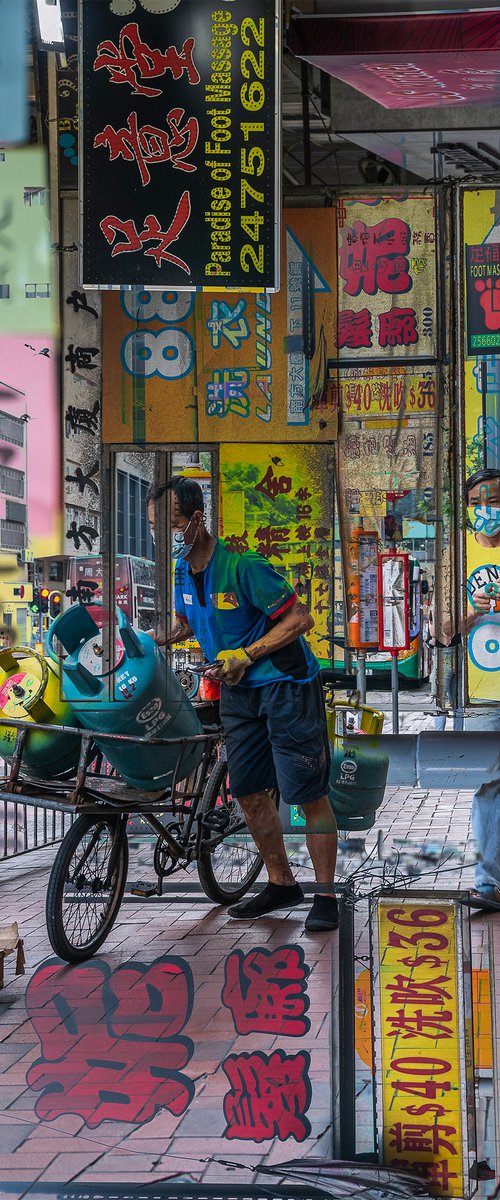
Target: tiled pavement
{"x": 40, "y": 1152}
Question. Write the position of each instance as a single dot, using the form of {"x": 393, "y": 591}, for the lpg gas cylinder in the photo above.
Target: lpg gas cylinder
{"x": 30, "y": 691}
{"x": 359, "y": 766}
{"x": 137, "y": 694}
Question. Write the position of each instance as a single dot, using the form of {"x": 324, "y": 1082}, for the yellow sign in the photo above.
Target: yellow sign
{"x": 482, "y": 442}
{"x": 287, "y": 516}
{"x": 224, "y": 367}
{"x": 422, "y": 1041}
{"x": 387, "y": 278}
{"x": 367, "y": 392}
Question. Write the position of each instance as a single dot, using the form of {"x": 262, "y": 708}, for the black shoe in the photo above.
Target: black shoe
{"x": 272, "y": 897}
{"x": 324, "y": 914}
{"x": 485, "y": 901}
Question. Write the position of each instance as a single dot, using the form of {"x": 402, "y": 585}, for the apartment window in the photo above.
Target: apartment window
{"x": 35, "y": 196}
{"x": 4, "y": 291}
{"x": 11, "y": 429}
{"x": 12, "y": 535}
{"x": 11, "y": 482}
{"x": 37, "y": 291}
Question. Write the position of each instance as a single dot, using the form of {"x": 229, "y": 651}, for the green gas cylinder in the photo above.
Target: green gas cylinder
{"x": 359, "y": 766}
{"x": 30, "y": 692}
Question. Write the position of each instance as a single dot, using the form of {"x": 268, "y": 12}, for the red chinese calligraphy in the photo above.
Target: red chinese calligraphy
{"x": 432, "y": 1139}
{"x": 419, "y": 1024}
{"x": 373, "y": 258}
{"x": 147, "y": 144}
{"x": 398, "y": 327}
{"x": 269, "y": 1097}
{"x": 272, "y": 541}
{"x": 406, "y": 990}
{"x": 110, "y": 1040}
{"x": 152, "y": 232}
{"x": 237, "y": 543}
{"x": 437, "y": 1172}
{"x": 354, "y": 329}
{"x": 266, "y": 991}
{"x": 273, "y": 486}
{"x": 133, "y": 61}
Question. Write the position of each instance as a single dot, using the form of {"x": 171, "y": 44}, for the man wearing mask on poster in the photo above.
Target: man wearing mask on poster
{"x": 482, "y": 627}
{"x": 247, "y": 618}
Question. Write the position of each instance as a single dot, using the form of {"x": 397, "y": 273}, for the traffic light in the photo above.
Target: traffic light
{"x": 44, "y": 600}
{"x": 55, "y": 604}
{"x": 35, "y": 603}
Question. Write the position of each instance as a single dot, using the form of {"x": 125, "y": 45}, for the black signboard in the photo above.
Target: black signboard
{"x": 67, "y": 100}
{"x": 180, "y": 141}
{"x": 482, "y": 289}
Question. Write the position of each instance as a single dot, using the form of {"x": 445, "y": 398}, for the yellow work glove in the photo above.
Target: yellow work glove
{"x": 230, "y": 666}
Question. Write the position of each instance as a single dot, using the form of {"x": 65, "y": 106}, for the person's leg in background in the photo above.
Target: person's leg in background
{"x": 485, "y": 819}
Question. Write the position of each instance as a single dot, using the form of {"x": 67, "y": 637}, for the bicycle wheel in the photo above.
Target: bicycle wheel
{"x": 81, "y": 903}
{"x": 228, "y": 859}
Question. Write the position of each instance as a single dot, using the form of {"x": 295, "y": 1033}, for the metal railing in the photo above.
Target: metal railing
{"x": 23, "y": 830}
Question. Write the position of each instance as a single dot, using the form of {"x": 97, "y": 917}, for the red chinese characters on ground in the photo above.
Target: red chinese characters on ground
{"x": 111, "y": 226}
{"x": 132, "y": 61}
{"x": 110, "y": 1040}
{"x": 147, "y": 144}
{"x": 266, "y": 991}
{"x": 269, "y": 1097}
{"x": 422, "y": 1112}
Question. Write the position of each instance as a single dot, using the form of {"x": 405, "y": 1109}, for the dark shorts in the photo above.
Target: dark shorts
{"x": 276, "y": 736}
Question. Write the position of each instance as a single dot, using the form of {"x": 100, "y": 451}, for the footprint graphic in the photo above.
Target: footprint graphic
{"x": 489, "y": 299}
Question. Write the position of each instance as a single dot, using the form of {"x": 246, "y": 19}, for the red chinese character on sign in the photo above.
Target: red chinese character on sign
{"x": 237, "y": 543}
{"x": 428, "y": 1025}
{"x": 266, "y": 991}
{"x": 148, "y": 144}
{"x": 303, "y": 494}
{"x": 152, "y": 232}
{"x": 354, "y": 329}
{"x": 272, "y": 541}
{"x": 398, "y": 327}
{"x": 133, "y": 61}
{"x": 269, "y": 1097}
{"x": 436, "y": 1173}
{"x": 432, "y": 1139}
{"x": 271, "y": 486}
{"x": 110, "y": 1040}
{"x": 412, "y": 991}
{"x": 375, "y": 258}
{"x": 303, "y": 532}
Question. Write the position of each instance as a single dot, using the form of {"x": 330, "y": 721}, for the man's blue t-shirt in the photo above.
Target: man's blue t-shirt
{"x": 233, "y": 603}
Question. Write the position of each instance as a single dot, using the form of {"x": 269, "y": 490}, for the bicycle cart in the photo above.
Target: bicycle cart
{"x": 195, "y": 820}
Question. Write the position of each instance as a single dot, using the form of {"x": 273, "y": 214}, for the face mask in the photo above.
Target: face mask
{"x": 486, "y": 519}
{"x": 181, "y": 548}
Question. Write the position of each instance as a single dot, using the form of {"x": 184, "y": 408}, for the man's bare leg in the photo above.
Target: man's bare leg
{"x": 262, "y": 818}
{"x": 321, "y": 839}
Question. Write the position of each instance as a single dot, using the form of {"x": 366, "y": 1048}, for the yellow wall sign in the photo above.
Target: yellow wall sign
{"x": 482, "y": 441}
{"x": 228, "y": 367}
{"x": 278, "y": 501}
{"x": 422, "y": 1042}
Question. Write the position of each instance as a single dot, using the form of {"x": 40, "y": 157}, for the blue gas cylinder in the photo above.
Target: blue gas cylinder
{"x": 137, "y": 695}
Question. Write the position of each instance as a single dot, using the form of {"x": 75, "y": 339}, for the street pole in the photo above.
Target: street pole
{"x": 346, "y": 1032}
{"x": 395, "y": 691}
{"x": 361, "y": 674}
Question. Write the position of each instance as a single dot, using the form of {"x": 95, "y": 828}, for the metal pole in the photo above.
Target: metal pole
{"x": 395, "y": 691}
{"x": 484, "y": 408}
{"x": 346, "y": 1034}
{"x": 361, "y": 675}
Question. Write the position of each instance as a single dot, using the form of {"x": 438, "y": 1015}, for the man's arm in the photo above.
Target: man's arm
{"x": 295, "y": 621}
{"x": 180, "y": 631}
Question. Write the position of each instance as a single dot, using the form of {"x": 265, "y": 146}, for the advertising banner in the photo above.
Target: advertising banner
{"x": 180, "y": 144}
{"x": 386, "y": 278}
{"x": 224, "y": 367}
{"x": 278, "y": 501}
{"x": 423, "y": 1041}
{"x": 481, "y": 233}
